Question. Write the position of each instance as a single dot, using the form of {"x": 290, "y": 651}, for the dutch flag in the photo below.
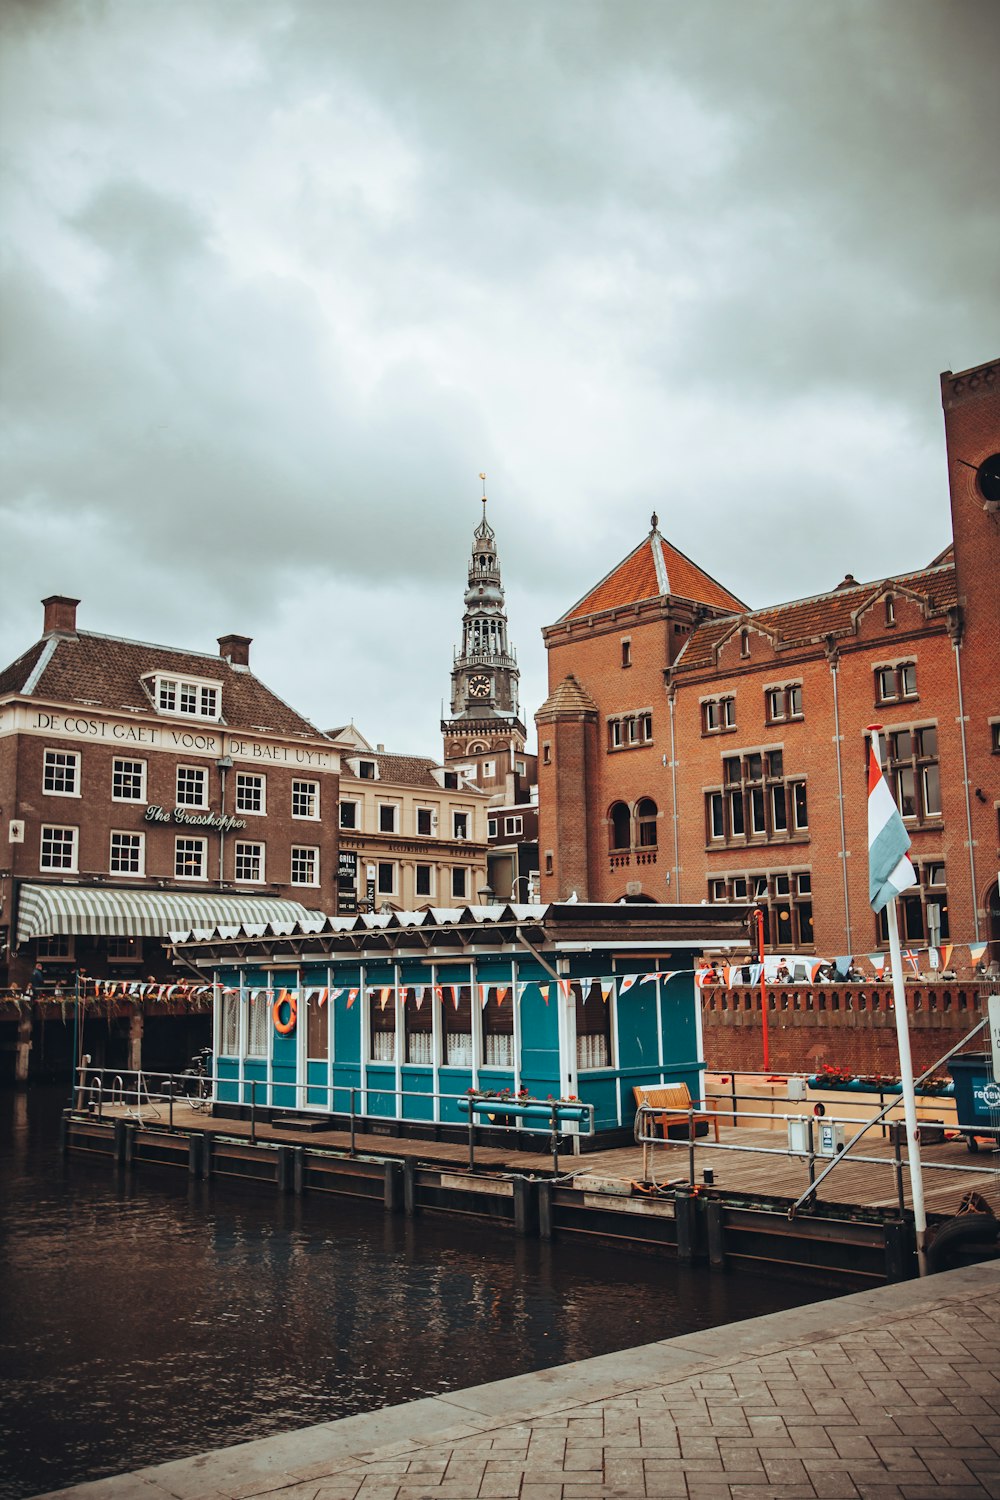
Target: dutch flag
{"x": 889, "y": 870}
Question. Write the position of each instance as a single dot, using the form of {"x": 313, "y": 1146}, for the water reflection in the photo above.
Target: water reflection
{"x": 146, "y": 1317}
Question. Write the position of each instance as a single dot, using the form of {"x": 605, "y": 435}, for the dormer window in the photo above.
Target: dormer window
{"x": 188, "y": 696}
{"x": 366, "y": 770}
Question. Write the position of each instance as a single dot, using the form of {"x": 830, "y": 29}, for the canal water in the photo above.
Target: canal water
{"x": 145, "y": 1317}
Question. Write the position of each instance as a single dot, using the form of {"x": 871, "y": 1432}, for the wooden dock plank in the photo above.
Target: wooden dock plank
{"x": 738, "y": 1163}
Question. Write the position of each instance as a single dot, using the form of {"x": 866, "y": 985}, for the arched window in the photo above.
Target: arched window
{"x": 645, "y": 816}
{"x": 621, "y": 826}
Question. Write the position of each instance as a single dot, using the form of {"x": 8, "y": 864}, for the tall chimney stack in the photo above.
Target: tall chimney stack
{"x": 236, "y": 649}
{"x": 60, "y": 615}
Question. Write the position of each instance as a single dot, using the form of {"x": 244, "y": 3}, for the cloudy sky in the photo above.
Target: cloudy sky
{"x": 280, "y": 277}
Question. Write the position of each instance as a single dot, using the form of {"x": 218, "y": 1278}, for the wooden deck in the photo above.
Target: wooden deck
{"x": 751, "y": 1162}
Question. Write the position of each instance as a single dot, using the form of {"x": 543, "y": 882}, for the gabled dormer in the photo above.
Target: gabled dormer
{"x": 184, "y": 697}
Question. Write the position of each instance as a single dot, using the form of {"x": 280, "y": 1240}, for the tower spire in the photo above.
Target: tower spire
{"x": 484, "y": 674}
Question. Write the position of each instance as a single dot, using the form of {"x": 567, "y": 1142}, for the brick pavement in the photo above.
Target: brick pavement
{"x": 893, "y": 1392}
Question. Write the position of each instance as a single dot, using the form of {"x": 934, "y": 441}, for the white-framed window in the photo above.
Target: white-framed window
{"x": 190, "y": 858}
{"x": 491, "y": 828}
{"x": 128, "y": 854}
{"x": 251, "y": 792}
{"x": 783, "y": 703}
{"x": 305, "y": 799}
{"x": 426, "y": 820}
{"x": 459, "y": 882}
{"x": 249, "y": 859}
{"x": 192, "y": 698}
{"x": 192, "y": 786}
{"x": 718, "y": 715}
{"x": 513, "y": 825}
{"x": 258, "y": 1022}
{"x": 385, "y": 878}
{"x": 349, "y": 815}
{"x": 460, "y": 825}
{"x": 489, "y": 769}
{"x": 423, "y": 880}
{"x": 366, "y": 770}
{"x": 128, "y": 780}
{"x": 230, "y": 1042}
{"x": 388, "y": 817}
{"x": 305, "y": 865}
{"x": 61, "y": 773}
{"x": 896, "y": 682}
{"x": 58, "y": 848}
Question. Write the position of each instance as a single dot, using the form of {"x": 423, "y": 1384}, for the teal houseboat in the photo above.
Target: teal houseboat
{"x": 394, "y": 1019}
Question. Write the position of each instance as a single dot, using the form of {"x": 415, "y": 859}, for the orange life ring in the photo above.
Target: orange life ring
{"x": 284, "y": 1027}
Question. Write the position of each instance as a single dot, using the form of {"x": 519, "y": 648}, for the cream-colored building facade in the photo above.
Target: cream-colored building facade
{"x": 412, "y": 832}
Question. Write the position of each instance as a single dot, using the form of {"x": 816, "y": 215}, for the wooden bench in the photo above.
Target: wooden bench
{"x": 673, "y": 1103}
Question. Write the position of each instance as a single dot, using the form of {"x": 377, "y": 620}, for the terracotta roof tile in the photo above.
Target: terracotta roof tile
{"x": 14, "y": 677}
{"x": 803, "y": 620}
{"x": 653, "y": 570}
{"x": 104, "y": 672}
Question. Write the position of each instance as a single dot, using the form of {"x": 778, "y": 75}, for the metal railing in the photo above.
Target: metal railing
{"x": 139, "y": 1091}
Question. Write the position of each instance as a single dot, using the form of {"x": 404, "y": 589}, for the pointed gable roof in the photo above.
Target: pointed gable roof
{"x": 568, "y": 698}
{"x": 655, "y": 569}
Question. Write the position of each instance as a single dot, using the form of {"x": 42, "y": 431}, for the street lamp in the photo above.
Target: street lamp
{"x": 487, "y": 894}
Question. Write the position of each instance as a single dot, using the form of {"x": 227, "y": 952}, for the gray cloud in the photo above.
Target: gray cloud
{"x": 278, "y": 281}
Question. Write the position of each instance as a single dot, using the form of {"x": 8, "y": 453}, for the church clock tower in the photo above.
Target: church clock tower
{"x": 484, "y": 729}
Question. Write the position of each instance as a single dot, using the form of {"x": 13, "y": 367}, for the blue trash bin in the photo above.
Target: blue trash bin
{"x": 977, "y": 1096}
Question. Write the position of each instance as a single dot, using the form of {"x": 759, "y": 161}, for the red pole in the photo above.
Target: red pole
{"x": 763, "y": 986}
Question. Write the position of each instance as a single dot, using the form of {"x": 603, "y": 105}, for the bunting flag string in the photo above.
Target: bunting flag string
{"x": 502, "y": 993}
{"x": 384, "y": 992}
{"x": 543, "y": 990}
{"x": 626, "y": 982}
{"x": 418, "y": 995}
{"x": 607, "y": 990}
{"x": 352, "y": 995}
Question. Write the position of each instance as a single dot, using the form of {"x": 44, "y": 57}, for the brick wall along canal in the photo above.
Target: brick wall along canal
{"x": 143, "y": 1319}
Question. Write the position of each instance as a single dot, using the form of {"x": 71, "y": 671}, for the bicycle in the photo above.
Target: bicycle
{"x": 193, "y": 1087}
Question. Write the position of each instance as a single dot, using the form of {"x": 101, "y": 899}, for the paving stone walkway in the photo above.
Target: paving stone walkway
{"x": 893, "y": 1392}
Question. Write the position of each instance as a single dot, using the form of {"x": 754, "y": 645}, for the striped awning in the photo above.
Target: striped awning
{"x": 47, "y": 909}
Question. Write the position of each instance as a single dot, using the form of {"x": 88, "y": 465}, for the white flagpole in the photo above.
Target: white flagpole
{"x": 906, "y": 1072}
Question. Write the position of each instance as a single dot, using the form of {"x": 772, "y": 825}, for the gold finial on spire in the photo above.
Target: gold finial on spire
{"x": 483, "y": 478}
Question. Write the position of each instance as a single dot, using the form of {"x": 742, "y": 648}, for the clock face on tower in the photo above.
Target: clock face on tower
{"x": 479, "y": 686}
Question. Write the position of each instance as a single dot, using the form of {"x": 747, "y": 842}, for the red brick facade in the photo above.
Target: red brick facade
{"x": 729, "y": 748}
{"x": 103, "y": 787}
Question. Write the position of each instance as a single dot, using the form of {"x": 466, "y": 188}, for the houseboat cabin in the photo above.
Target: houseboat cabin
{"x": 398, "y": 1017}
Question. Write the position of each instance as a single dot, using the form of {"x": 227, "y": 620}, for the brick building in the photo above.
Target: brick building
{"x": 412, "y": 832}
{"x": 692, "y": 749}
{"x": 145, "y": 788}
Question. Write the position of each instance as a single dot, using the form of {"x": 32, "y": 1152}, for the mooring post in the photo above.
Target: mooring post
{"x": 409, "y": 1187}
{"x": 691, "y": 1130}
{"x": 206, "y": 1155}
{"x": 555, "y": 1140}
{"x": 121, "y": 1142}
{"x": 900, "y": 1243}
{"x": 194, "y": 1155}
{"x": 393, "y": 1187}
{"x": 298, "y": 1170}
{"x": 714, "y": 1220}
{"x": 352, "y": 1122}
{"x": 686, "y": 1210}
{"x": 525, "y": 1207}
{"x": 472, "y": 1139}
{"x": 284, "y": 1169}
{"x": 544, "y": 1195}
{"x": 64, "y": 1132}
{"x": 253, "y": 1112}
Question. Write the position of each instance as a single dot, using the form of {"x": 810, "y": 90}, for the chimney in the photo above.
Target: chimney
{"x": 60, "y": 615}
{"x": 236, "y": 649}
